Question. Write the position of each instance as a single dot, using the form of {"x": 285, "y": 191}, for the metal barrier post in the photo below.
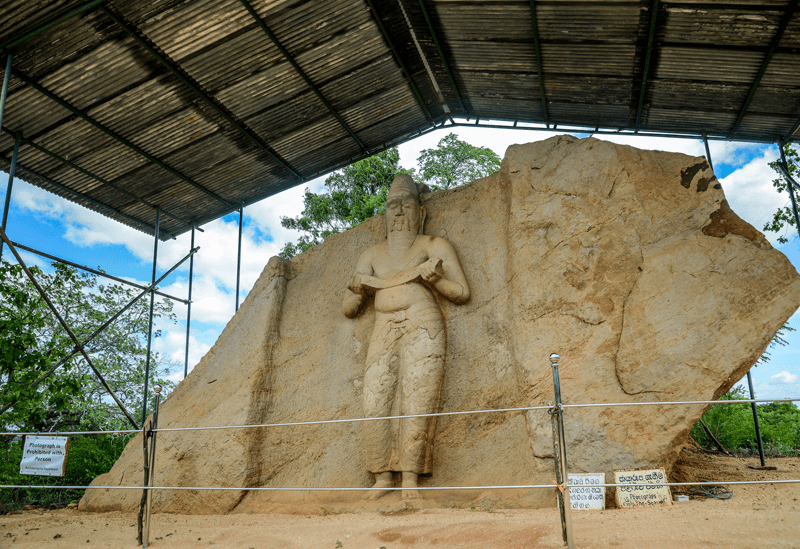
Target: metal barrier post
{"x": 758, "y": 428}
{"x": 566, "y": 510}
{"x": 146, "y": 533}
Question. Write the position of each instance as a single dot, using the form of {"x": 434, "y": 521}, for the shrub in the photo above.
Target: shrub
{"x": 734, "y": 427}
{"x": 89, "y": 456}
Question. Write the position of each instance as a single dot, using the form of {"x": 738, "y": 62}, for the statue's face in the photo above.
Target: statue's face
{"x": 402, "y": 213}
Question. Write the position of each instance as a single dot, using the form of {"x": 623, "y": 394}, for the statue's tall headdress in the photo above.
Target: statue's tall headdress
{"x": 404, "y": 182}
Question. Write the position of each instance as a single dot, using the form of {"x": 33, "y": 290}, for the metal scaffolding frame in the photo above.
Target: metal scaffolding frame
{"x": 445, "y": 121}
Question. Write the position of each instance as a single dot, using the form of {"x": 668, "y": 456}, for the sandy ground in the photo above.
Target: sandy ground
{"x": 762, "y": 516}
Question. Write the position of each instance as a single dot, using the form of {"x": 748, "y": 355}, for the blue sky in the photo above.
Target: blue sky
{"x": 51, "y": 224}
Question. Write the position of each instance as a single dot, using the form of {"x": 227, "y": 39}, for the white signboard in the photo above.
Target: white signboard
{"x": 44, "y": 456}
{"x": 584, "y": 492}
{"x": 644, "y": 494}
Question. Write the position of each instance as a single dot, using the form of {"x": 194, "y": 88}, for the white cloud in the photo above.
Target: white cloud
{"x": 750, "y": 192}
{"x": 172, "y": 345}
{"x": 783, "y": 377}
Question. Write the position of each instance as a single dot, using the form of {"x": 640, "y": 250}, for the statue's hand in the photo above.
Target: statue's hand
{"x": 355, "y": 286}
{"x": 431, "y": 273}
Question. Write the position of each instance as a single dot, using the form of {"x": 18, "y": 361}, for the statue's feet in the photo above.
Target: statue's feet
{"x": 410, "y": 486}
{"x": 382, "y": 480}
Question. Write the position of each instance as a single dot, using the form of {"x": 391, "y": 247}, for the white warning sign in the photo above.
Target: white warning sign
{"x": 44, "y": 456}
{"x": 584, "y": 492}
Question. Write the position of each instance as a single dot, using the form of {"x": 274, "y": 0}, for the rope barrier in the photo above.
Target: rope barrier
{"x": 715, "y": 488}
{"x": 599, "y": 404}
{"x": 353, "y": 420}
{"x": 70, "y": 433}
{"x": 364, "y": 489}
{"x": 438, "y": 414}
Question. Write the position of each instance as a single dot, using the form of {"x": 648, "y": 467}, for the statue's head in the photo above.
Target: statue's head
{"x": 403, "y": 210}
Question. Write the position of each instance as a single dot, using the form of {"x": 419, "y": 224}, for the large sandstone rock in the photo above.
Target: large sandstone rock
{"x": 628, "y": 263}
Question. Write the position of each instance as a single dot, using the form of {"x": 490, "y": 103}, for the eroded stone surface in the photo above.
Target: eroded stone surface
{"x": 628, "y": 263}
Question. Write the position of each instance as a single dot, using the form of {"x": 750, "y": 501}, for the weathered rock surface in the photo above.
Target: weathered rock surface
{"x": 628, "y": 263}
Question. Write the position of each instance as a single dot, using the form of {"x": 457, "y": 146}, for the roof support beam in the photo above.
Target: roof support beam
{"x": 360, "y": 156}
{"x": 116, "y": 136}
{"x": 81, "y": 196}
{"x": 300, "y": 71}
{"x": 648, "y": 54}
{"x": 441, "y": 55}
{"x": 40, "y": 28}
{"x": 403, "y": 67}
{"x": 790, "y": 137}
{"x": 96, "y": 178}
{"x": 539, "y": 70}
{"x": 784, "y": 22}
{"x": 195, "y": 87}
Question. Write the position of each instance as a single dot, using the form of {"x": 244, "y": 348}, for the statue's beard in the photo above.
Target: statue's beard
{"x": 400, "y": 224}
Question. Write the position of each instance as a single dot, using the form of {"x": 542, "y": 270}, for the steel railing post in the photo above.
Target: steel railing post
{"x": 755, "y": 420}
{"x": 151, "y": 480}
{"x": 150, "y": 322}
{"x": 189, "y": 310}
{"x": 239, "y": 256}
{"x": 566, "y": 511}
{"x": 11, "y": 171}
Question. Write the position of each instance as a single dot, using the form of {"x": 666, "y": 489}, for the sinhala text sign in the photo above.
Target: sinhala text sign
{"x": 645, "y": 494}
{"x": 44, "y": 456}
{"x": 584, "y": 492}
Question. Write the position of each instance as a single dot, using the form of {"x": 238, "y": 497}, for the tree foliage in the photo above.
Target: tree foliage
{"x": 353, "y": 195}
{"x": 734, "y": 427}
{"x": 454, "y": 162}
{"x": 32, "y": 340}
{"x": 359, "y": 191}
{"x": 89, "y": 457}
{"x": 783, "y": 219}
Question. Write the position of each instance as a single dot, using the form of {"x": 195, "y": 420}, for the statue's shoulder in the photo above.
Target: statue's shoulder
{"x": 373, "y": 250}
{"x": 436, "y": 242}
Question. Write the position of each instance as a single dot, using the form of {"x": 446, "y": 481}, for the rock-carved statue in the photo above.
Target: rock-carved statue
{"x": 405, "y": 360}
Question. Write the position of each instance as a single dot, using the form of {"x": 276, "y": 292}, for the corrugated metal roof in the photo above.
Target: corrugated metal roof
{"x": 198, "y": 106}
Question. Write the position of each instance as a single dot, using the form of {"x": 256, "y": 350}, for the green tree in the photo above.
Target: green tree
{"x": 733, "y": 426}
{"x": 783, "y": 219}
{"x": 353, "y": 195}
{"x": 32, "y": 340}
{"x": 359, "y": 191}
{"x": 454, "y": 162}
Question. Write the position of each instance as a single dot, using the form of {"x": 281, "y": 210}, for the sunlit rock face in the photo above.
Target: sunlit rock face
{"x": 628, "y": 263}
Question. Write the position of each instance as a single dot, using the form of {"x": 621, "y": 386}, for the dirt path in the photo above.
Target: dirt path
{"x": 763, "y": 516}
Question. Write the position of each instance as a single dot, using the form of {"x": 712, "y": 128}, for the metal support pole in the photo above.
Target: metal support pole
{"x": 755, "y": 419}
{"x": 566, "y": 510}
{"x": 11, "y": 171}
{"x": 151, "y": 482}
{"x": 189, "y": 309}
{"x": 708, "y": 152}
{"x": 4, "y": 93}
{"x": 93, "y": 271}
{"x": 239, "y": 258}
{"x": 150, "y": 322}
{"x": 790, "y": 187}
